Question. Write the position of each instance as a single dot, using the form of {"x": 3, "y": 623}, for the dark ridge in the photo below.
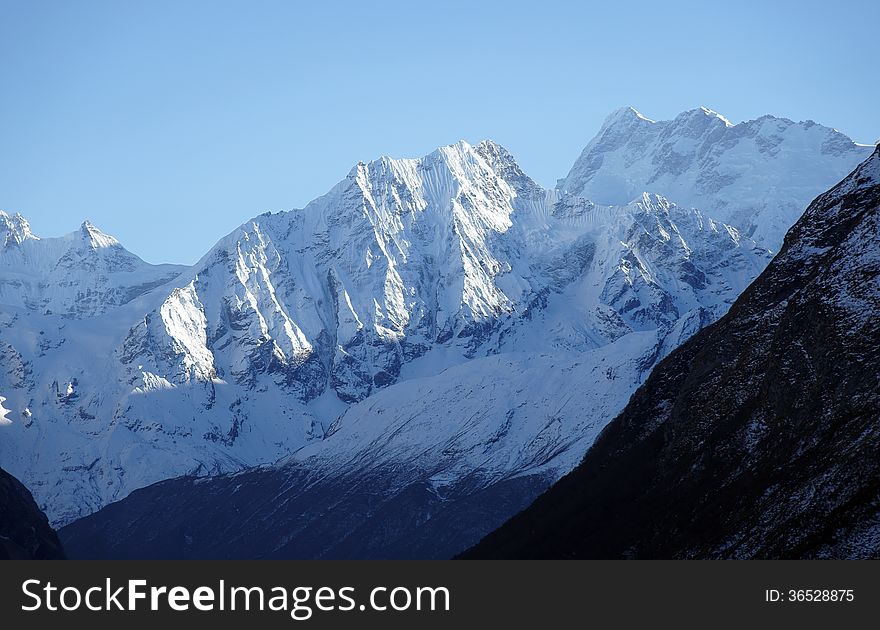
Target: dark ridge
{"x": 25, "y": 533}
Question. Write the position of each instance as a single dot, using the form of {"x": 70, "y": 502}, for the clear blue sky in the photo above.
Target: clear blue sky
{"x": 170, "y": 123}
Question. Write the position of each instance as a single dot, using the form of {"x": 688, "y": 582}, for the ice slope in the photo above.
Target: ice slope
{"x": 757, "y": 175}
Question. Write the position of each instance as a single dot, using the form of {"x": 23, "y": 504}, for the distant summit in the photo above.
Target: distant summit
{"x": 82, "y": 274}
{"x": 757, "y": 176}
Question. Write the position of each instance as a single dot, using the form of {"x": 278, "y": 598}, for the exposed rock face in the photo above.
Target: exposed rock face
{"x": 758, "y": 438}
{"x": 25, "y": 533}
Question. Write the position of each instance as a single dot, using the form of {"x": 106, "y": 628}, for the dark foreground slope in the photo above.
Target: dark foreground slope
{"x": 759, "y": 438}
{"x": 24, "y": 530}
{"x": 286, "y": 512}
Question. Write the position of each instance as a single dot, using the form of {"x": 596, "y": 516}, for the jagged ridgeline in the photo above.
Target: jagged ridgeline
{"x": 432, "y": 332}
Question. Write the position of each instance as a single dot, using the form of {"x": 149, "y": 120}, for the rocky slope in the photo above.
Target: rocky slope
{"x": 25, "y": 533}
{"x": 758, "y": 437}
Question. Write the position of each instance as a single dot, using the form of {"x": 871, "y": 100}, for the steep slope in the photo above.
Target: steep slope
{"x": 24, "y": 530}
{"x": 79, "y": 431}
{"x": 758, "y": 438}
{"x": 400, "y": 255}
{"x": 757, "y": 176}
{"x": 406, "y": 255}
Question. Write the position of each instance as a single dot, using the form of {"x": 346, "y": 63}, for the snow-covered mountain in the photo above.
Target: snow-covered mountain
{"x": 348, "y": 338}
{"x": 82, "y": 274}
{"x": 757, "y": 175}
{"x": 452, "y": 250}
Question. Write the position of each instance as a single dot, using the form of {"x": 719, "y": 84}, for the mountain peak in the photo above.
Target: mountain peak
{"x": 95, "y": 238}
{"x": 625, "y": 114}
{"x": 384, "y": 162}
{"x": 488, "y": 143}
{"x": 462, "y": 146}
{"x": 704, "y": 112}
{"x": 14, "y": 229}
{"x": 628, "y": 116}
{"x": 752, "y": 175}
{"x": 624, "y": 117}
{"x": 460, "y": 161}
